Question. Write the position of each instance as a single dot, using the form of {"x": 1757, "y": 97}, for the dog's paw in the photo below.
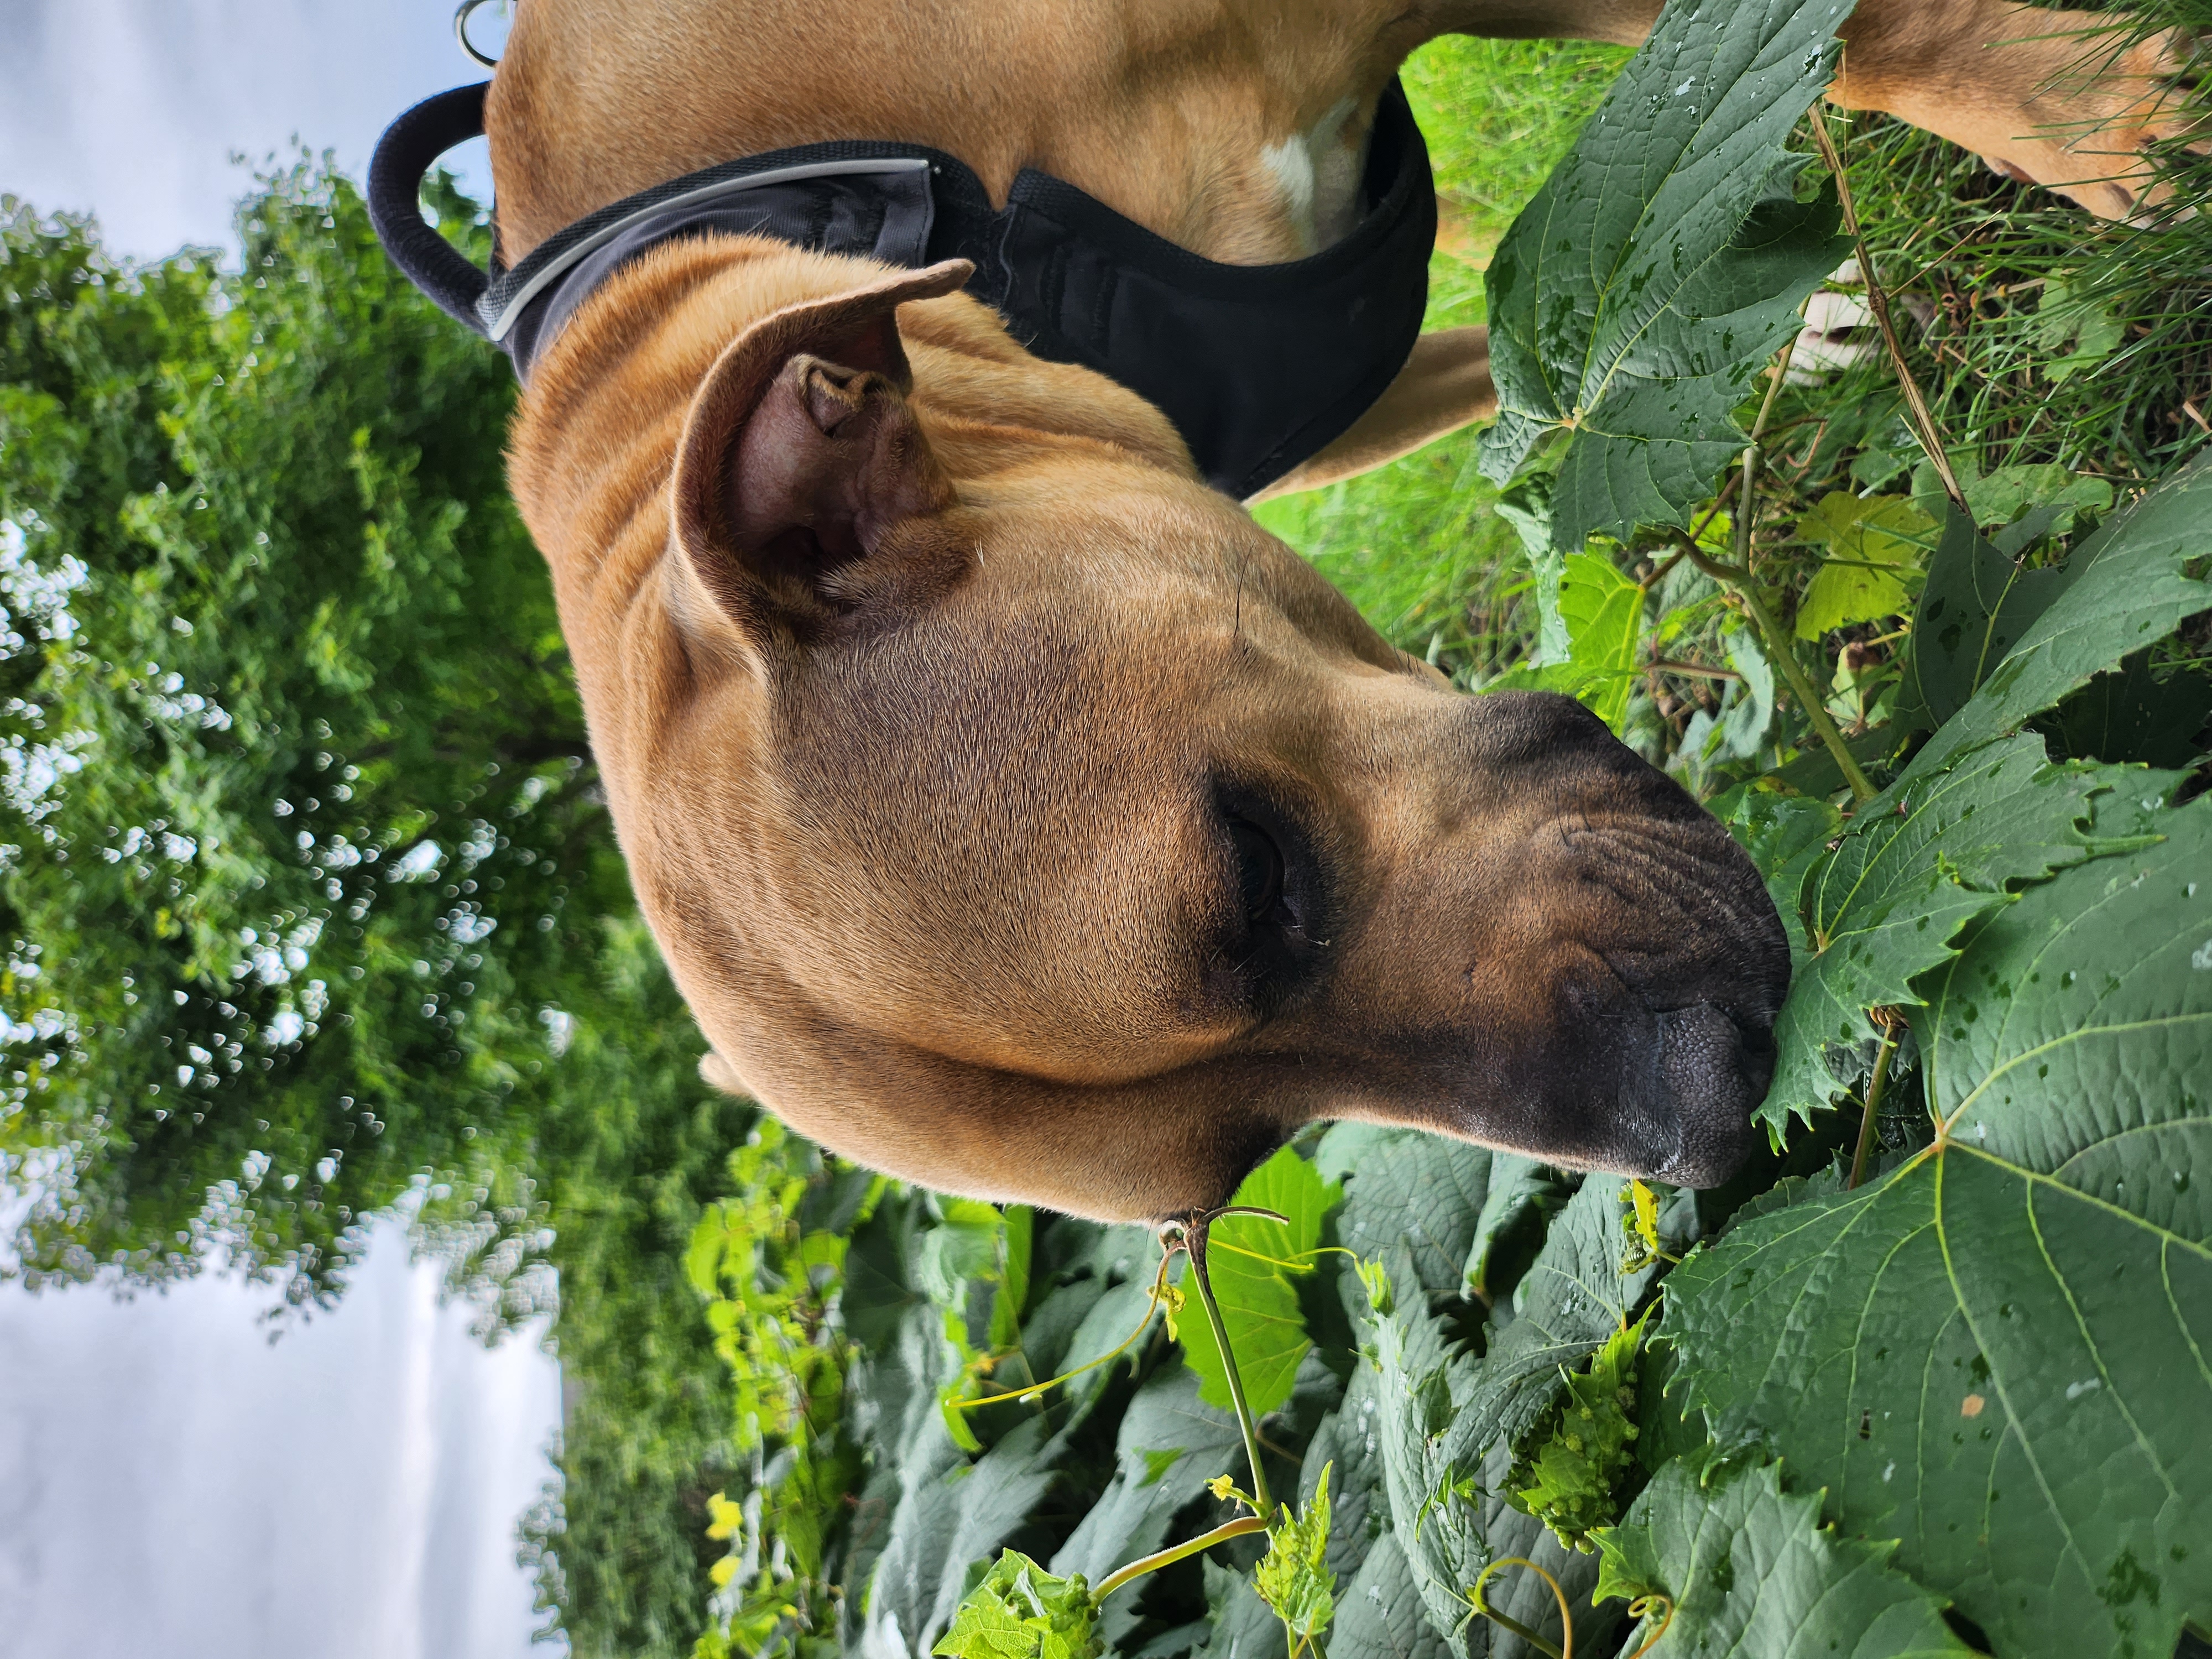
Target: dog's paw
{"x": 2089, "y": 126}
{"x": 2060, "y": 99}
{"x": 1840, "y": 331}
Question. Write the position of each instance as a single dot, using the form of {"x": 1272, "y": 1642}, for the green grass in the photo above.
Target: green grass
{"x": 1415, "y": 545}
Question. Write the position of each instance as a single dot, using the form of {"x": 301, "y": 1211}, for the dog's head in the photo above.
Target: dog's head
{"x": 1020, "y": 818}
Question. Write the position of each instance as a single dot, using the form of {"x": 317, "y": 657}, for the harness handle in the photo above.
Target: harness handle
{"x": 403, "y": 157}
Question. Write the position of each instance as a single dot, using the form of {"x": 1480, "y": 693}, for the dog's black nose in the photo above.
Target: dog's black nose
{"x": 1711, "y": 1074}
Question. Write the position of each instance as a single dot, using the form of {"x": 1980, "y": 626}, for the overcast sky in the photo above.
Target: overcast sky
{"x": 170, "y": 1482}
{"x": 132, "y": 108}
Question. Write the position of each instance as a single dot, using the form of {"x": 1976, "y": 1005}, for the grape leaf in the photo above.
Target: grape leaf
{"x": 1901, "y": 883}
{"x": 1169, "y": 1445}
{"x": 2127, "y": 586}
{"x": 1259, "y": 1304}
{"x": 1022, "y": 1611}
{"x": 1447, "y": 1421}
{"x": 1997, "y": 1352}
{"x": 1876, "y": 546}
{"x": 1753, "y": 1575}
{"x": 1662, "y": 263}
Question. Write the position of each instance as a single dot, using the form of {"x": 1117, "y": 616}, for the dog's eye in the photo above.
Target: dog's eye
{"x": 1259, "y": 870}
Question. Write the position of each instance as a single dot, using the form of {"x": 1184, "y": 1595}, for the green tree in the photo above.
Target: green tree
{"x": 305, "y": 853}
{"x": 309, "y": 897}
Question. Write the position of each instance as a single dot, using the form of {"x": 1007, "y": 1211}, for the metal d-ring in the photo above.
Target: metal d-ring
{"x": 461, "y": 32}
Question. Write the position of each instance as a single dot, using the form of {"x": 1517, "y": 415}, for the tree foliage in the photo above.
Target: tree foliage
{"x": 311, "y": 904}
{"x": 308, "y": 861}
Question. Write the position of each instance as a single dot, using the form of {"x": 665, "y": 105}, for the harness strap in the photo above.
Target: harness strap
{"x": 403, "y": 157}
{"x": 1259, "y": 367}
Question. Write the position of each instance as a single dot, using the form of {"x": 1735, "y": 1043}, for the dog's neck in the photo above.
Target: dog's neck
{"x": 596, "y": 433}
{"x": 1240, "y": 138}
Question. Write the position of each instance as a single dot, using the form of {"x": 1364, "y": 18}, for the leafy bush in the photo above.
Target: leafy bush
{"x": 1928, "y": 1378}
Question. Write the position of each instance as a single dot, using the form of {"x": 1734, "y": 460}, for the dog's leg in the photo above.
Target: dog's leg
{"x": 1444, "y": 385}
{"x": 2035, "y": 93}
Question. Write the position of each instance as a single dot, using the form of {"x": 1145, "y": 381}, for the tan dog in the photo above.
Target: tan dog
{"x": 1017, "y": 816}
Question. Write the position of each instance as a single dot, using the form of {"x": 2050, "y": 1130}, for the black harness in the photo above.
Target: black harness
{"x": 1260, "y": 367}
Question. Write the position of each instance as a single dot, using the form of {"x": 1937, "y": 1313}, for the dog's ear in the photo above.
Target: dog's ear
{"x": 804, "y": 490}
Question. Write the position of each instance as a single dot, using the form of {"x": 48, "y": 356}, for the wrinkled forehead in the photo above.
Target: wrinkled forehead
{"x": 1123, "y": 641}
{"x": 1014, "y": 718}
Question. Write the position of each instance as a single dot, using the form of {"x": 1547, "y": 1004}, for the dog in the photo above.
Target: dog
{"x": 1017, "y": 816}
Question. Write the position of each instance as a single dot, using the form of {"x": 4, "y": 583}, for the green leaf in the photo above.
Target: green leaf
{"x": 2131, "y": 714}
{"x": 1580, "y": 1290}
{"x": 2128, "y": 587}
{"x": 1740, "y": 731}
{"x": 1997, "y": 1352}
{"x": 1752, "y": 1574}
{"x": 1447, "y": 1421}
{"x": 1169, "y": 1445}
{"x": 2074, "y": 331}
{"x": 1566, "y": 1475}
{"x": 1382, "y": 1616}
{"x": 1661, "y": 264}
{"x": 1601, "y": 612}
{"x": 2004, "y": 495}
{"x": 1975, "y": 607}
{"x": 1876, "y": 545}
{"x": 1022, "y": 1611}
{"x": 1241, "y": 1624}
{"x": 949, "y": 1512}
{"x": 1517, "y": 1185}
{"x": 1346, "y": 1441}
{"x": 965, "y": 1245}
{"x": 1293, "y": 1577}
{"x": 1786, "y": 836}
{"x": 1885, "y": 908}
{"x": 1259, "y": 1303}
{"x": 1526, "y": 506}
{"x": 1427, "y": 1209}
{"x": 1604, "y": 614}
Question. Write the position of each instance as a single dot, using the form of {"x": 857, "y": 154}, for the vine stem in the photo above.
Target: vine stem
{"x": 1241, "y": 1526}
{"x": 1873, "y": 1103}
{"x": 1747, "y": 498}
{"x": 1785, "y": 659}
{"x": 1923, "y": 422}
{"x": 1194, "y": 1246}
{"x": 1481, "y": 1605}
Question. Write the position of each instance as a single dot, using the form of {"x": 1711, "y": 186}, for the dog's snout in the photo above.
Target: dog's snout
{"x": 1711, "y": 1071}
{"x": 1521, "y": 728}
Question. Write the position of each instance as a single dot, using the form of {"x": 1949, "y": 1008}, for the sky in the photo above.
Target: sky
{"x": 176, "y": 1483}
{"x": 132, "y": 108}
{"x": 170, "y": 1480}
